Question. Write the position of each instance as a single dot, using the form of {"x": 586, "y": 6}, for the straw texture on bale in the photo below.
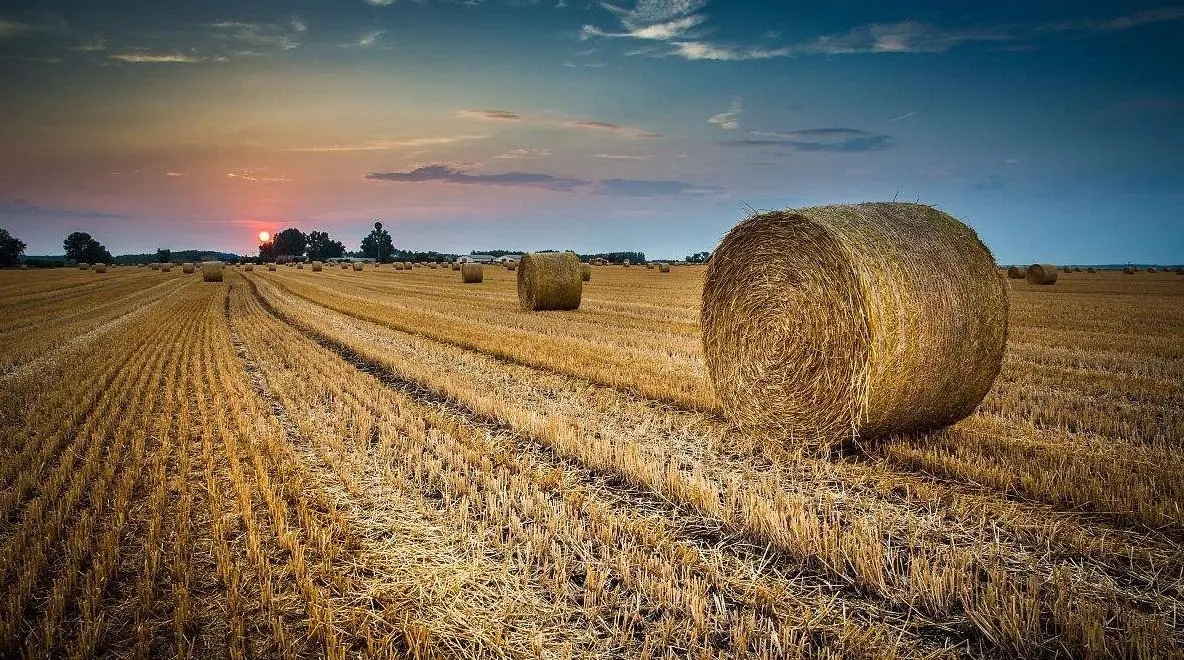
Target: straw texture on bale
{"x": 211, "y": 271}
{"x": 358, "y": 266}
{"x": 625, "y": 263}
{"x": 271, "y": 267}
{"x": 188, "y": 268}
{"x": 154, "y": 266}
{"x": 166, "y": 267}
{"x": 663, "y": 268}
{"x": 1043, "y": 274}
{"x": 1017, "y": 273}
{"x": 100, "y": 268}
{"x": 829, "y": 323}
{"x": 472, "y": 273}
{"x": 398, "y": 265}
{"x": 586, "y": 272}
{"x": 317, "y": 266}
{"x": 549, "y": 281}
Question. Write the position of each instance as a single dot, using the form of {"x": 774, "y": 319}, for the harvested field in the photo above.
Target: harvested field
{"x": 359, "y": 464}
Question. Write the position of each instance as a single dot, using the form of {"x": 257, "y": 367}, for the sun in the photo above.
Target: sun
{"x": 264, "y": 236}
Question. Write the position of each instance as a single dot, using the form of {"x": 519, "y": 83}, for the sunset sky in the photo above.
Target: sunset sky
{"x": 1056, "y": 129}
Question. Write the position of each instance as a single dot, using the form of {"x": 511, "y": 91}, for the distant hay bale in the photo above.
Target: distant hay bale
{"x": 358, "y": 266}
{"x": 154, "y": 266}
{"x": 271, "y": 267}
{"x": 586, "y": 272}
{"x": 211, "y": 271}
{"x": 398, "y": 265}
{"x": 317, "y": 266}
{"x": 188, "y": 268}
{"x": 1128, "y": 270}
{"x": 649, "y": 266}
{"x": 829, "y": 323}
{"x": 24, "y": 266}
{"x": 1042, "y": 274}
{"x": 432, "y": 265}
{"x": 455, "y": 266}
{"x": 472, "y": 273}
{"x": 1091, "y": 269}
{"x": 83, "y": 266}
{"x": 510, "y": 265}
{"x": 1017, "y": 273}
{"x": 344, "y": 265}
{"x": 100, "y": 268}
{"x": 663, "y": 268}
{"x": 625, "y": 263}
{"x": 549, "y": 281}
{"x": 300, "y": 266}
{"x": 249, "y": 268}
{"x": 1153, "y": 269}
{"x": 166, "y": 267}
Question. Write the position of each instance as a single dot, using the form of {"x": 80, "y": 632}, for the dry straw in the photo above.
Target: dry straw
{"x": 100, "y": 268}
{"x": 271, "y": 267}
{"x": 358, "y": 266}
{"x": 344, "y": 265}
{"x": 211, "y": 271}
{"x": 549, "y": 280}
{"x": 154, "y": 266}
{"x": 663, "y": 268}
{"x": 472, "y": 273}
{"x": 625, "y": 263}
{"x": 317, "y": 266}
{"x": 166, "y": 267}
{"x": 398, "y": 265}
{"x": 188, "y": 268}
{"x": 1043, "y": 274}
{"x": 432, "y": 265}
{"x": 829, "y": 323}
{"x": 586, "y": 272}
{"x": 1017, "y": 272}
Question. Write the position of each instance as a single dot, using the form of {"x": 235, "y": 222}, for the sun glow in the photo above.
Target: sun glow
{"x": 264, "y": 236}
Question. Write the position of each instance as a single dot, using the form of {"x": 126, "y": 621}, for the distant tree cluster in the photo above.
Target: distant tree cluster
{"x": 11, "y": 248}
{"x": 82, "y": 248}
{"x": 616, "y": 257}
{"x": 406, "y": 255}
{"x": 378, "y": 244}
{"x": 293, "y": 244}
{"x": 321, "y": 247}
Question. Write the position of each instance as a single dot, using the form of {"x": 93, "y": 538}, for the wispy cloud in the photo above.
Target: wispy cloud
{"x": 9, "y": 28}
{"x": 516, "y": 154}
{"x": 907, "y": 115}
{"x": 271, "y": 36}
{"x": 561, "y": 122}
{"x": 25, "y": 208}
{"x": 622, "y": 156}
{"x": 366, "y": 40}
{"x": 818, "y": 139}
{"x": 389, "y": 144}
{"x": 380, "y": 3}
{"x": 155, "y": 58}
{"x": 176, "y": 174}
{"x": 257, "y": 175}
{"x": 730, "y": 120}
{"x": 616, "y": 187}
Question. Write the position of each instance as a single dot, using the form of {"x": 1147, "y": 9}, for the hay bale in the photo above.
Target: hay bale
{"x": 83, "y": 266}
{"x": 1091, "y": 269}
{"x": 649, "y": 266}
{"x": 586, "y": 272}
{"x": 24, "y": 266}
{"x": 510, "y": 265}
{"x": 154, "y": 266}
{"x": 472, "y": 273}
{"x": 188, "y": 268}
{"x": 166, "y": 268}
{"x": 549, "y": 280}
{"x": 1017, "y": 273}
{"x": 250, "y": 268}
{"x": 432, "y": 265}
{"x": 1153, "y": 269}
{"x": 100, "y": 268}
{"x": 300, "y": 266}
{"x": 663, "y": 268}
{"x": 271, "y": 267}
{"x": 1128, "y": 270}
{"x": 398, "y": 265}
{"x": 344, "y": 265}
{"x": 1042, "y": 274}
{"x": 625, "y": 263}
{"x": 358, "y": 266}
{"x": 455, "y": 266}
{"x": 317, "y": 266}
{"x": 211, "y": 271}
{"x": 829, "y": 323}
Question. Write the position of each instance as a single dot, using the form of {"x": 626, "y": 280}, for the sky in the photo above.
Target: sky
{"x": 1055, "y": 129}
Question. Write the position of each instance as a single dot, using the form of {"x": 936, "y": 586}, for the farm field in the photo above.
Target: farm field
{"x": 394, "y": 464}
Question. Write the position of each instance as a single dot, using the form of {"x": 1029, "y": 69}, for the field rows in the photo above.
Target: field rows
{"x": 386, "y": 464}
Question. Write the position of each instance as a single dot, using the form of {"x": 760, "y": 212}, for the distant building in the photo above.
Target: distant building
{"x": 475, "y": 258}
{"x": 509, "y": 259}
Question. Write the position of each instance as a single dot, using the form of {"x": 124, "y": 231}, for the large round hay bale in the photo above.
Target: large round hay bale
{"x": 472, "y": 273}
{"x": 1017, "y": 272}
{"x": 828, "y": 323}
{"x": 211, "y": 271}
{"x": 166, "y": 268}
{"x": 398, "y": 265}
{"x": 1043, "y": 274}
{"x": 358, "y": 266}
{"x": 663, "y": 268}
{"x": 586, "y": 272}
{"x": 549, "y": 280}
{"x": 250, "y": 268}
{"x": 1128, "y": 270}
{"x": 188, "y": 268}
{"x": 271, "y": 267}
{"x": 1091, "y": 269}
{"x": 317, "y": 266}
{"x": 100, "y": 268}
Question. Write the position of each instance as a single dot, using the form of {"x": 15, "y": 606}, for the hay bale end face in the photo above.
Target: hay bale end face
{"x": 271, "y": 267}
{"x": 649, "y": 266}
{"x": 827, "y": 323}
{"x": 1017, "y": 272}
{"x": 663, "y": 268}
{"x": 549, "y": 281}
{"x": 100, "y": 268}
{"x": 358, "y": 266}
{"x": 586, "y": 272}
{"x": 188, "y": 268}
{"x": 472, "y": 273}
{"x": 1042, "y": 274}
{"x": 250, "y": 268}
{"x": 166, "y": 268}
{"x": 211, "y": 271}
{"x": 317, "y": 266}
{"x": 344, "y": 266}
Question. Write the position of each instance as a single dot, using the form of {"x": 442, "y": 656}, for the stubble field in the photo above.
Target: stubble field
{"x": 394, "y": 464}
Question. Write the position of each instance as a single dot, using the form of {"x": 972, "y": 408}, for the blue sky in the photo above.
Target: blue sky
{"x": 1052, "y": 128}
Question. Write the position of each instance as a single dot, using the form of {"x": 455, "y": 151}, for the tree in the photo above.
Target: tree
{"x": 698, "y": 257}
{"x": 11, "y": 248}
{"x": 321, "y": 247}
{"x": 290, "y": 242}
{"x": 80, "y": 247}
{"x": 163, "y": 255}
{"x": 378, "y": 244}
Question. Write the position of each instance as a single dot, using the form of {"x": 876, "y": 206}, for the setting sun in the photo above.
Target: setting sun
{"x": 264, "y": 236}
